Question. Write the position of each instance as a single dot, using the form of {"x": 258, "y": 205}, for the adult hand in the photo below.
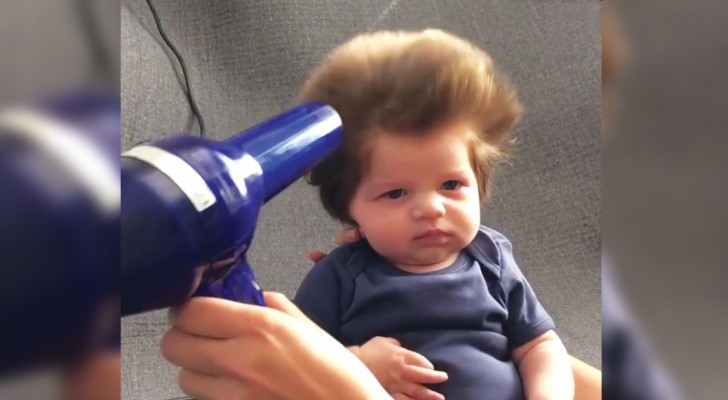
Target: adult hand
{"x": 346, "y": 235}
{"x": 231, "y": 350}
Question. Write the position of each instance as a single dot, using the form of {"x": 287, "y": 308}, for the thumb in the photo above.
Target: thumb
{"x": 279, "y": 301}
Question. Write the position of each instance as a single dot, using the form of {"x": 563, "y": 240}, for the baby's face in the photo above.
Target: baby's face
{"x": 418, "y": 204}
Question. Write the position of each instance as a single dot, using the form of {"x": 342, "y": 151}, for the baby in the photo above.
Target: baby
{"x": 433, "y": 303}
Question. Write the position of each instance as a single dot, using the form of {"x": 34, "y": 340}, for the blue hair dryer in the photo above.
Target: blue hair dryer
{"x": 190, "y": 206}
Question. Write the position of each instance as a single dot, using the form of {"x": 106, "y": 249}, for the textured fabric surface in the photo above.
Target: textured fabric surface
{"x": 246, "y": 60}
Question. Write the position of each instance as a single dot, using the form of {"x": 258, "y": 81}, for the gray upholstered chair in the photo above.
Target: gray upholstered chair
{"x": 246, "y": 60}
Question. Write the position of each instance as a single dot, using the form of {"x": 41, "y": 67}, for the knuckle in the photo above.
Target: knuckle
{"x": 234, "y": 367}
{"x": 268, "y": 325}
{"x": 420, "y": 392}
{"x": 401, "y": 363}
{"x": 166, "y": 346}
{"x": 255, "y": 355}
{"x": 276, "y": 296}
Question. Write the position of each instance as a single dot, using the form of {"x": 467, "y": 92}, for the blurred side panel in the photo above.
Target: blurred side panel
{"x": 665, "y": 194}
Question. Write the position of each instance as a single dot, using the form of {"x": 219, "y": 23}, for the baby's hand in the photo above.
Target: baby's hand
{"x": 400, "y": 371}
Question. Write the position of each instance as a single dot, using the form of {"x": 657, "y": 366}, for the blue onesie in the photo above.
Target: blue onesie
{"x": 466, "y": 318}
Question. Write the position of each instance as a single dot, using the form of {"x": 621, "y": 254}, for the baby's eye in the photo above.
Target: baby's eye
{"x": 451, "y": 185}
{"x": 394, "y": 194}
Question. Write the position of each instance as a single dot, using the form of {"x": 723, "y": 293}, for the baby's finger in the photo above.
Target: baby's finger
{"x": 412, "y": 358}
{"x": 392, "y": 340}
{"x": 420, "y": 392}
{"x": 401, "y": 396}
{"x": 417, "y": 374}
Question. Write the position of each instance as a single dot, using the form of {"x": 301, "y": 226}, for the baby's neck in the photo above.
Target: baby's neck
{"x": 426, "y": 268}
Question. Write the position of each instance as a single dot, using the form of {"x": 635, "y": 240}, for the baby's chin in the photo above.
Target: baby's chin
{"x": 426, "y": 263}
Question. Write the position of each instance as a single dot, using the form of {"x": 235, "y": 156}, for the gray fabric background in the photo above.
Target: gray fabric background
{"x": 246, "y": 60}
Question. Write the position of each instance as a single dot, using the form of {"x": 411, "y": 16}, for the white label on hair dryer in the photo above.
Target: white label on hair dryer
{"x": 79, "y": 155}
{"x": 181, "y": 173}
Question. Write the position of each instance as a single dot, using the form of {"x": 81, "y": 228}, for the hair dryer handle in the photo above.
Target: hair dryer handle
{"x": 237, "y": 285}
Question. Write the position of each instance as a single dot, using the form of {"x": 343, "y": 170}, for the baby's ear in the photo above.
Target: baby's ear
{"x": 349, "y": 235}
{"x": 356, "y": 234}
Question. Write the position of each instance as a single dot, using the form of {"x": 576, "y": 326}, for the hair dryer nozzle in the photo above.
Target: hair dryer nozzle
{"x": 291, "y": 144}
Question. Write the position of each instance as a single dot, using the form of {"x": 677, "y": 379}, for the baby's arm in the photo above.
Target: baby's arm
{"x": 544, "y": 367}
{"x": 537, "y": 351}
{"x": 321, "y": 291}
{"x": 400, "y": 371}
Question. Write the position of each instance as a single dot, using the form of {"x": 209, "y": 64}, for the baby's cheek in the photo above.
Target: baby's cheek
{"x": 469, "y": 220}
{"x": 382, "y": 230}
{"x": 384, "y": 234}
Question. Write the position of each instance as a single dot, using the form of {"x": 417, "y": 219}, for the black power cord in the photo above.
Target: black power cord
{"x": 188, "y": 88}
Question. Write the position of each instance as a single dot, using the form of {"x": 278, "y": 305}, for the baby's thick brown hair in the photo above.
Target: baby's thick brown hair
{"x": 408, "y": 83}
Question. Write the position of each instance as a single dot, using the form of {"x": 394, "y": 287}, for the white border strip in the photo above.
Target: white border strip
{"x": 82, "y": 157}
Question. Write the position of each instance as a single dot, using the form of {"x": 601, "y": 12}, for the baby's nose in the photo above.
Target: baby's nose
{"x": 428, "y": 207}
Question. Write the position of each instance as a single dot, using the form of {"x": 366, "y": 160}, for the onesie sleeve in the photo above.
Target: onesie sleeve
{"x": 320, "y": 293}
{"x": 527, "y": 319}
